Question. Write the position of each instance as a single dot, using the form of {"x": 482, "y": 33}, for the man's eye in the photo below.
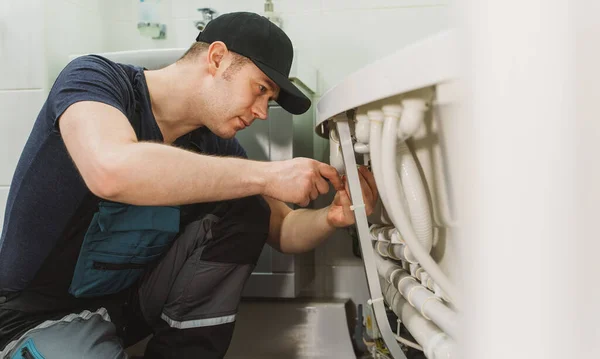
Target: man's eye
{"x": 262, "y": 89}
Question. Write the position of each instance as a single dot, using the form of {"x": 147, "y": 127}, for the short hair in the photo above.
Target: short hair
{"x": 200, "y": 47}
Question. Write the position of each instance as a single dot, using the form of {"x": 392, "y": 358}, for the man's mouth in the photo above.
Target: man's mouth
{"x": 244, "y": 123}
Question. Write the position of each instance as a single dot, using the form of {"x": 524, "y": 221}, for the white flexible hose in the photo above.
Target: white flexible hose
{"x": 376, "y": 118}
{"x": 387, "y": 176}
{"x": 416, "y": 197}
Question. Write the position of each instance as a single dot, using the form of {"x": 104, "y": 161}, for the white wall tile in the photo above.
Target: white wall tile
{"x": 184, "y": 33}
{"x": 119, "y": 10}
{"x": 18, "y": 111}
{"x": 3, "y": 198}
{"x": 21, "y": 44}
{"x": 336, "y": 5}
{"x": 189, "y": 9}
{"x": 181, "y": 9}
{"x": 293, "y": 6}
{"x": 124, "y": 36}
{"x": 71, "y": 29}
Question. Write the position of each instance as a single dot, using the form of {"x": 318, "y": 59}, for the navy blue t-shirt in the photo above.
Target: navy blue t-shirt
{"x": 49, "y": 206}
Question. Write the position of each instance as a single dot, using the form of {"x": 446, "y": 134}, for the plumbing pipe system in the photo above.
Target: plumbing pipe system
{"x": 430, "y": 306}
{"x": 436, "y": 344}
{"x": 387, "y": 170}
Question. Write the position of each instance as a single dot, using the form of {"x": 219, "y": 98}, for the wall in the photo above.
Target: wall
{"x": 335, "y": 36}
{"x": 36, "y": 37}
{"x": 72, "y": 27}
{"x": 22, "y": 79}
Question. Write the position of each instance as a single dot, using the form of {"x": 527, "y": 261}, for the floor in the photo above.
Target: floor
{"x": 296, "y": 329}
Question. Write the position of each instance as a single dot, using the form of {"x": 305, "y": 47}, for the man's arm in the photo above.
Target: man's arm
{"x": 115, "y": 166}
{"x": 301, "y": 230}
{"x": 288, "y": 228}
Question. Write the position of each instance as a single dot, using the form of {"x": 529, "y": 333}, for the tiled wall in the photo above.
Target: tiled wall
{"x": 22, "y": 79}
{"x": 36, "y": 38}
{"x": 73, "y": 27}
{"x": 335, "y": 36}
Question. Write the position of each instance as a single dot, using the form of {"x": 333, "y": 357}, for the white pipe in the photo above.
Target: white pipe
{"x": 430, "y": 306}
{"x": 362, "y": 128}
{"x": 335, "y": 152}
{"x": 376, "y": 120}
{"x": 408, "y": 343}
{"x": 427, "y": 303}
{"x": 436, "y": 344}
{"x": 394, "y": 207}
{"x": 416, "y": 197}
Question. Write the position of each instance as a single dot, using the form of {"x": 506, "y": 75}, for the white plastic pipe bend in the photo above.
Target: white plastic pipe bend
{"x": 362, "y": 128}
{"x": 413, "y": 114}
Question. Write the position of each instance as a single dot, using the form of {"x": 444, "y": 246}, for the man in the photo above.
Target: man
{"x": 134, "y": 211}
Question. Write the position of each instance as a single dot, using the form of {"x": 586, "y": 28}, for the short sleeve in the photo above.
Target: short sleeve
{"x": 88, "y": 78}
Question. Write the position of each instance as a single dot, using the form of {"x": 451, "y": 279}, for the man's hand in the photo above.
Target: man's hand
{"x": 340, "y": 214}
{"x": 300, "y": 180}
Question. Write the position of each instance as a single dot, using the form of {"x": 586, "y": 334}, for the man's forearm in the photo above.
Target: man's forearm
{"x": 156, "y": 174}
{"x": 304, "y": 229}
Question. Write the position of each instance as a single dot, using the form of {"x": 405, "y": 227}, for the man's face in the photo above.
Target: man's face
{"x": 241, "y": 94}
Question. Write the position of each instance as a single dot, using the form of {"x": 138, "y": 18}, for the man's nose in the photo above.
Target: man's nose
{"x": 260, "y": 109}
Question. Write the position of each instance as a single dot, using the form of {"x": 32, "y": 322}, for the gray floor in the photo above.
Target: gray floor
{"x": 297, "y": 329}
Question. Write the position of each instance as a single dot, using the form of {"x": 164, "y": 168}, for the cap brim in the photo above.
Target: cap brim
{"x": 290, "y": 97}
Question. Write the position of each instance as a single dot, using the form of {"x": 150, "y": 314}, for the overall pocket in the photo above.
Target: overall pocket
{"x": 120, "y": 242}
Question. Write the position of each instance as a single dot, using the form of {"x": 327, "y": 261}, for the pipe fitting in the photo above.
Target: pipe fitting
{"x": 361, "y": 148}
{"x": 335, "y": 152}
{"x": 413, "y": 115}
{"x": 392, "y": 111}
{"x": 375, "y": 116}
{"x": 362, "y": 128}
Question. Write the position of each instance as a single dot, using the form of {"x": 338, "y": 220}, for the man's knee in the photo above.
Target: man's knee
{"x": 241, "y": 233}
{"x": 89, "y": 336}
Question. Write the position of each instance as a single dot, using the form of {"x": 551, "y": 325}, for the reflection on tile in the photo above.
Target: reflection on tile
{"x": 21, "y": 45}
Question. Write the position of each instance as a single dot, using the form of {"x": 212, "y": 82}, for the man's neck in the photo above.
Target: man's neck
{"x": 168, "y": 98}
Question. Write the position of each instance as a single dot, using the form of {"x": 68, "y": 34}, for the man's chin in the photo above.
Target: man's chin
{"x": 227, "y": 135}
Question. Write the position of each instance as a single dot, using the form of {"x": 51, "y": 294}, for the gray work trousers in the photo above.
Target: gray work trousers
{"x": 188, "y": 300}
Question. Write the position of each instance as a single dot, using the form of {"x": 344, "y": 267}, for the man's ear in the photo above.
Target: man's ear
{"x": 215, "y": 56}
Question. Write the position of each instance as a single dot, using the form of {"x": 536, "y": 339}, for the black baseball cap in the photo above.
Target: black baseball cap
{"x": 266, "y": 45}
